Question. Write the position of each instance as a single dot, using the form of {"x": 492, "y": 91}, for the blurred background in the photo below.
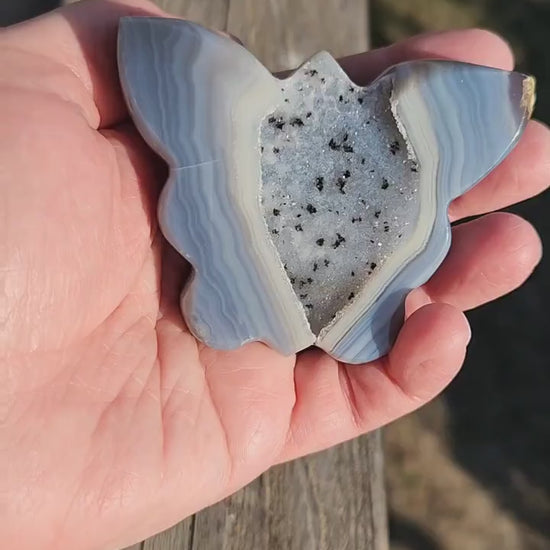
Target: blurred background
{"x": 472, "y": 469}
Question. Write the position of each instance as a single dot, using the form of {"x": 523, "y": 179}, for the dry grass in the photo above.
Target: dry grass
{"x": 472, "y": 470}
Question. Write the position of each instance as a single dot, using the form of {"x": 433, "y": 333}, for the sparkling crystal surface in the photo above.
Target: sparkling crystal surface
{"x": 339, "y": 187}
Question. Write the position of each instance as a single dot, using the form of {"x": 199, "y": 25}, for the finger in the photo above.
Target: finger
{"x": 82, "y": 38}
{"x": 470, "y": 45}
{"x": 523, "y": 174}
{"x": 489, "y": 257}
{"x": 336, "y": 402}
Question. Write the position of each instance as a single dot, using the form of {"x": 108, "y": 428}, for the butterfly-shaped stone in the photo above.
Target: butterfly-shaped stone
{"x": 309, "y": 207}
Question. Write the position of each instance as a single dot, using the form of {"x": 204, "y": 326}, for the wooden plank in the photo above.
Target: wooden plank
{"x": 178, "y": 537}
{"x": 211, "y": 13}
{"x": 335, "y": 499}
{"x": 283, "y": 33}
{"x": 332, "y": 500}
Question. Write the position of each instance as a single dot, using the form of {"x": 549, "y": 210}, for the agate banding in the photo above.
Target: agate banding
{"x": 309, "y": 207}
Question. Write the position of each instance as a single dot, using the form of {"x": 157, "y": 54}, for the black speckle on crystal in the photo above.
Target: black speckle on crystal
{"x": 348, "y": 149}
{"x": 394, "y": 147}
{"x": 373, "y": 265}
{"x": 276, "y": 211}
{"x": 327, "y": 263}
{"x": 319, "y": 183}
{"x": 320, "y": 242}
{"x": 308, "y": 114}
{"x": 341, "y": 184}
{"x": 347, "y": 174}
{"x": 315, "y": 266}
{"x": 309, "y": 280}
{"x": 360, "y": 100}
{"x": 309, "y": 306}
{"x": 303, "y": 296}
{"x": 385, "y": 183}
{"x": 333, "y": 145}
{"x": 341, "y": 98}
{"x": 298, "y": 227}
{"x": 359, "y": 219}
{"x": 339, "y": 240}
{"x": 312, "y": 72}
{"x": 353, "y": 273}
{"x": 311, "y": 209}
{"x": 297, "y": 122}
{"x": 276, "y": 150}
{"x": 377, "y": 214}
{"x": 362, "y": 161}
{"x": 275, "y": 231}
{"x": 351, "y": 296}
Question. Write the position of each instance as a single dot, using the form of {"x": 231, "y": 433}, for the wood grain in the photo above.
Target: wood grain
{"x": 283, "y": 33}
{"x": 211, "y": 13}
{"x": 332, "y": 500}
{"x": 179, "y": 537}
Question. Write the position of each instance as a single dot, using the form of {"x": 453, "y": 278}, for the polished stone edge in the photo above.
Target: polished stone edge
{"x": 198, "y": 99}
{"x": 461, "y": 121}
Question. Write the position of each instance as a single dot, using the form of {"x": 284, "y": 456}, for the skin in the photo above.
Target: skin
{"x": 115, "y": 422}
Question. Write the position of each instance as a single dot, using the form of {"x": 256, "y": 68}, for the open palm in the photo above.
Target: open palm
{"x": 114, "y": 421}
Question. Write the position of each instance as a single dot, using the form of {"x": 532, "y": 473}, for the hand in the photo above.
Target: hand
{"x": 114, "y": 422}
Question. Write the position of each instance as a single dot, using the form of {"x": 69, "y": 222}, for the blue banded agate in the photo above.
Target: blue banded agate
{"x": 419, "y": 136}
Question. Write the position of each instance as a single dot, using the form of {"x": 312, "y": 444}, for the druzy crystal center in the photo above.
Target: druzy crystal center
{"x": 339, "y": 186}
